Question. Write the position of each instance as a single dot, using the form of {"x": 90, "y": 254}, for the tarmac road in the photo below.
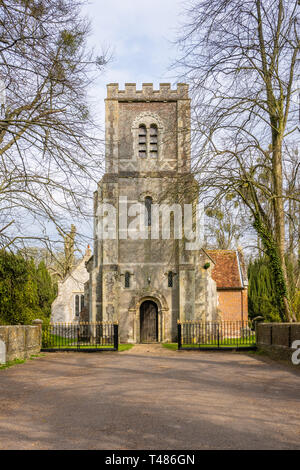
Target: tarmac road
{"x": 150, "y": 398}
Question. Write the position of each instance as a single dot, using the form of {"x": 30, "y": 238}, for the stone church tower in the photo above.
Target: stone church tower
{"x": 147, "y": 285}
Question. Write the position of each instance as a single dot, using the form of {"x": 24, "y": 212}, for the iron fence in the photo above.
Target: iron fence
{"x": 87, "y": 336}
{"x": 216, "y": 335}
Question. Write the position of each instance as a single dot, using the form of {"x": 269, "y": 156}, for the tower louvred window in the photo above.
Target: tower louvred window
{"x": 153, "y": 140}
{"x": 142, "y": 141}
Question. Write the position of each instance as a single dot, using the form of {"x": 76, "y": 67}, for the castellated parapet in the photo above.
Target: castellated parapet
{"x": 147, "y": 93}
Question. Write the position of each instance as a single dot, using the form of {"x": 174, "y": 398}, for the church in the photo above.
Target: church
{"x": 147, "y": 284}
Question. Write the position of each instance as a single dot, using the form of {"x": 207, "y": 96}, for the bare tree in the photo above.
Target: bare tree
{"x": 291, "y": 177}
{"x": 240, "y": 58}
{"x": 225, "y": 226}
{"x": 58, "y": 260}
{"x": 49, "y": 152}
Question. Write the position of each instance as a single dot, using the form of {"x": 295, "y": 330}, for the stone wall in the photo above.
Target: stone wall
{"x": 21, "y": 341}
{"x": 276, "y": 339}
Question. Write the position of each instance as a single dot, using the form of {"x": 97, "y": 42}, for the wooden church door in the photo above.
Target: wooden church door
{"x": 149, "y": 322}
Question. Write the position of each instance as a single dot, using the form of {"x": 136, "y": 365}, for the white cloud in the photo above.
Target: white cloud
{"x": 121, "y": 19}
{"x": 139, "y": 35}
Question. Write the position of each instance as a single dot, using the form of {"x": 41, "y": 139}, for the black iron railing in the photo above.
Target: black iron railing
{"x": 216, "y": 335}
{"x": 100, "y": 336}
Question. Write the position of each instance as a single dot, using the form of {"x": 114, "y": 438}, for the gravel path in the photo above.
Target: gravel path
{"x": 150, "y": 398}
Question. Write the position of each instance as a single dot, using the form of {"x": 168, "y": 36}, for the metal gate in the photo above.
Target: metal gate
{"x": 85, "y": 337}
{"x": 216, "y": 335}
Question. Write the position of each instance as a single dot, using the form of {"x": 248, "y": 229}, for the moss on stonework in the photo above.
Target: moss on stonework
{"x": 19, "y": 361}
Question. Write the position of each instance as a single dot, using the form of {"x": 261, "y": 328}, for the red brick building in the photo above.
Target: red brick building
{"x": 230, "y": 274}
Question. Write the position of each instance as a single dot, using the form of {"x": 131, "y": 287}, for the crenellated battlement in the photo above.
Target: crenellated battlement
{"x": 164, "y": 93}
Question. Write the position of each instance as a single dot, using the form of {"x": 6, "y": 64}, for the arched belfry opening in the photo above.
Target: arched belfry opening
{"x": 148, "y": 322}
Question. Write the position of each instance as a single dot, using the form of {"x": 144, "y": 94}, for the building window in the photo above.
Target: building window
{"x": 148, "y": 204}
{"x": 142, "y": 141}
{"x": 127, "y": 280}
{"x": 170, "y": 279}
{"x": 148, "y": 141}
{"x": 77, "y": 305}
{"x": 153, "y": 140}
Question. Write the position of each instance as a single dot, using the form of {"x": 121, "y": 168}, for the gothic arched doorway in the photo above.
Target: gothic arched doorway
{"x": 148, "y": 322}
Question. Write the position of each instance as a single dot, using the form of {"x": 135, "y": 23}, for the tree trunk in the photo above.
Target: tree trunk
{"x": 279, "y": 218}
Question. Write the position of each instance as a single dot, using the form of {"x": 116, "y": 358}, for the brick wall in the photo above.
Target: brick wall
{"x": 233, "y": 305}
{"x": 277, "y": 338}
{"x": 21, "y": 341}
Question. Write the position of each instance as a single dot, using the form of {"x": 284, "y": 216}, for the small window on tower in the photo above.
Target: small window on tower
{"x": 127, "y": 280}
{"x": 153, "y": 140}
{"x": 142, "y": 141}
{"x": 170, "y": 279}
{"x": 148, "y": 204}
{"x": 77, "y": 305}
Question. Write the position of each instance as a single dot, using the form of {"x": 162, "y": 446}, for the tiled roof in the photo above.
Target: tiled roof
{"x": 227, "y": 271}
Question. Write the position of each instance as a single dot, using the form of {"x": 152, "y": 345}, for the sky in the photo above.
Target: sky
{"x": 139, "y": 36}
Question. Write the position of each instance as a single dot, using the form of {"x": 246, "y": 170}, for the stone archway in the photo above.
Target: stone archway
{"x": 162, "y": 313}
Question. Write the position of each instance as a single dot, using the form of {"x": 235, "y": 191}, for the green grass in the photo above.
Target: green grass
{"x": 224, "y": 344}
{"x": 172, "y": 346}
{"x": 122, "y": 347}
{"x": 229, "y": 345}
{"x": 125, "y": 347}
{"x": 60, "y": 342}
{"x": 12, "y": 363}
{"x": 75, "y": 347}
{"x": 19, "y": 361}
{"x": 34, "y": 356}
{"x": 62, "y": 339}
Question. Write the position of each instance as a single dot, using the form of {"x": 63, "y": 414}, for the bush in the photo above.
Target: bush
{"x": 261, "y": 292}
{"x": 26, "y": 292}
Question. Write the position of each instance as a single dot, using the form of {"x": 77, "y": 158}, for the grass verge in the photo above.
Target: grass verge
{"x": 69, "y": 347}
{"x": 174, "y": 346}
{"x": 125, "y": 347}
{"x": 19, "y": 361}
